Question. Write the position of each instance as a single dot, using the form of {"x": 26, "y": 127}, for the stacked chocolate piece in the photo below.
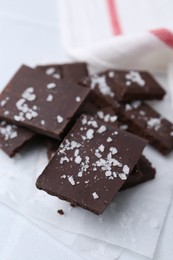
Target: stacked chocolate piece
{"x": 83, "y": 121}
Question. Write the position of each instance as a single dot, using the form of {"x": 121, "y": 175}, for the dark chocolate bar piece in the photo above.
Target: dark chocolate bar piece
{"x": 124, "y": 85}
{"x": 41, "y": 103}
{"x": 147, "y": 123}
{"x": 143, "y": 171}
{"x": 71, "y": 71}
{"x": 91, "y": 164}
{"x": 13, "y": 138}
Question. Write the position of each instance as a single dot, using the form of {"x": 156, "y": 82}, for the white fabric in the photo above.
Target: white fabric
{"x": 87, "y": 35}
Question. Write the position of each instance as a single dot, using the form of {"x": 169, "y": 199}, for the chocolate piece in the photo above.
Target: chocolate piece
{"x": 70, "y": 71}
{"x": 41, "y": 103}
{"x": 91, "y": 164}
{"x": 13, "y": 138}
{"x": 124, "y": 85}
{"x": 147, "y": 123}
{"x": 142, "y": 172}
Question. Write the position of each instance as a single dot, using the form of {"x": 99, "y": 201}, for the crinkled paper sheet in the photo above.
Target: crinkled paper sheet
{"x": 133, "y": 221}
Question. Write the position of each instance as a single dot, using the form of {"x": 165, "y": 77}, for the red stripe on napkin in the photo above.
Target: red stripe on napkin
{"x": 164, "y": 35}
{"x": 113, "y": 14}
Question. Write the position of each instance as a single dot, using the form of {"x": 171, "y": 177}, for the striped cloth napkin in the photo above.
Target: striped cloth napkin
{"x": 119, "y": 33}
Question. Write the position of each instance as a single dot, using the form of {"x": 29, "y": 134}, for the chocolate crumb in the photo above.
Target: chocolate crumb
{"x": 60, "y": 211}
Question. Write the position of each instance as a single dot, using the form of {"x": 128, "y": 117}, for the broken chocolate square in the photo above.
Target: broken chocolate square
{"x": 147, "y": 123}
{"x": 41, "y": 103}
{"x": 124, "y": 85}
{"x": 91, "y": 164}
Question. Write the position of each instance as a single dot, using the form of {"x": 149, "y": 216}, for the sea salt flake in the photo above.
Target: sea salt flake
{"x": 3, "y": 103}
{"x": 63, "y": 176}
{"x": 42, "y": 122}
{"x": 126, "y": 169}
{"x": 95, "y": 195}
{"x": 109, "y": 139}
{"x": 171, "y": 133}
{"x": 35, "y": 107}
{"x": 94, "y": 124}
{"x": 136, "y": 104}
{"x": 124, "y": 127}
{"x": 71, "y": 180}
{"x": 28, "y": 116}
{"x": 51, "y": 85}
{"x": 154, "y": 123}
{"x": 114, "y": 174}
{"x": 80, "y": 174}
{"x": 13, "y": 135}
{"x": 78, "y": 99}
{"x": 19, "y": 118}
{"x": 49, "y": 98}
{"x": 50, "y": 71}
{"x": 60, "y": 119}
{"x": 122, "y": 176}
{"x": 76, "y": 152}
{"x": 101, "y": 148}
{"x": 64, "y": 159}
{"x": 107, "y": 118}
{"x": 113, "y": 118}
{"x": 128, "y": 83}
{"x": 20, "y": 103}
{"x": 8, "y": 131}
{"x": 84, "y": 121}
{"x": 113, "y": 150}
{"x": 6, "y": 113}
{"x": 100, "y": 114}
{"x": 142, "y": 113}
{"x": 28, "y": 94}
{"x": 111, "y": 74}
{"x": 108, "y": 173}
{"x": 57, "y": 76}
{"x": 98, "y": 155}
{"x": 128, "y": 107}
{"x": 135, "y": 76}
{"x": 78, "y": 159}
{"x": 102, "y": 129}
{"x": 100, "y": 82}
{"x": 90, "y": 134}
